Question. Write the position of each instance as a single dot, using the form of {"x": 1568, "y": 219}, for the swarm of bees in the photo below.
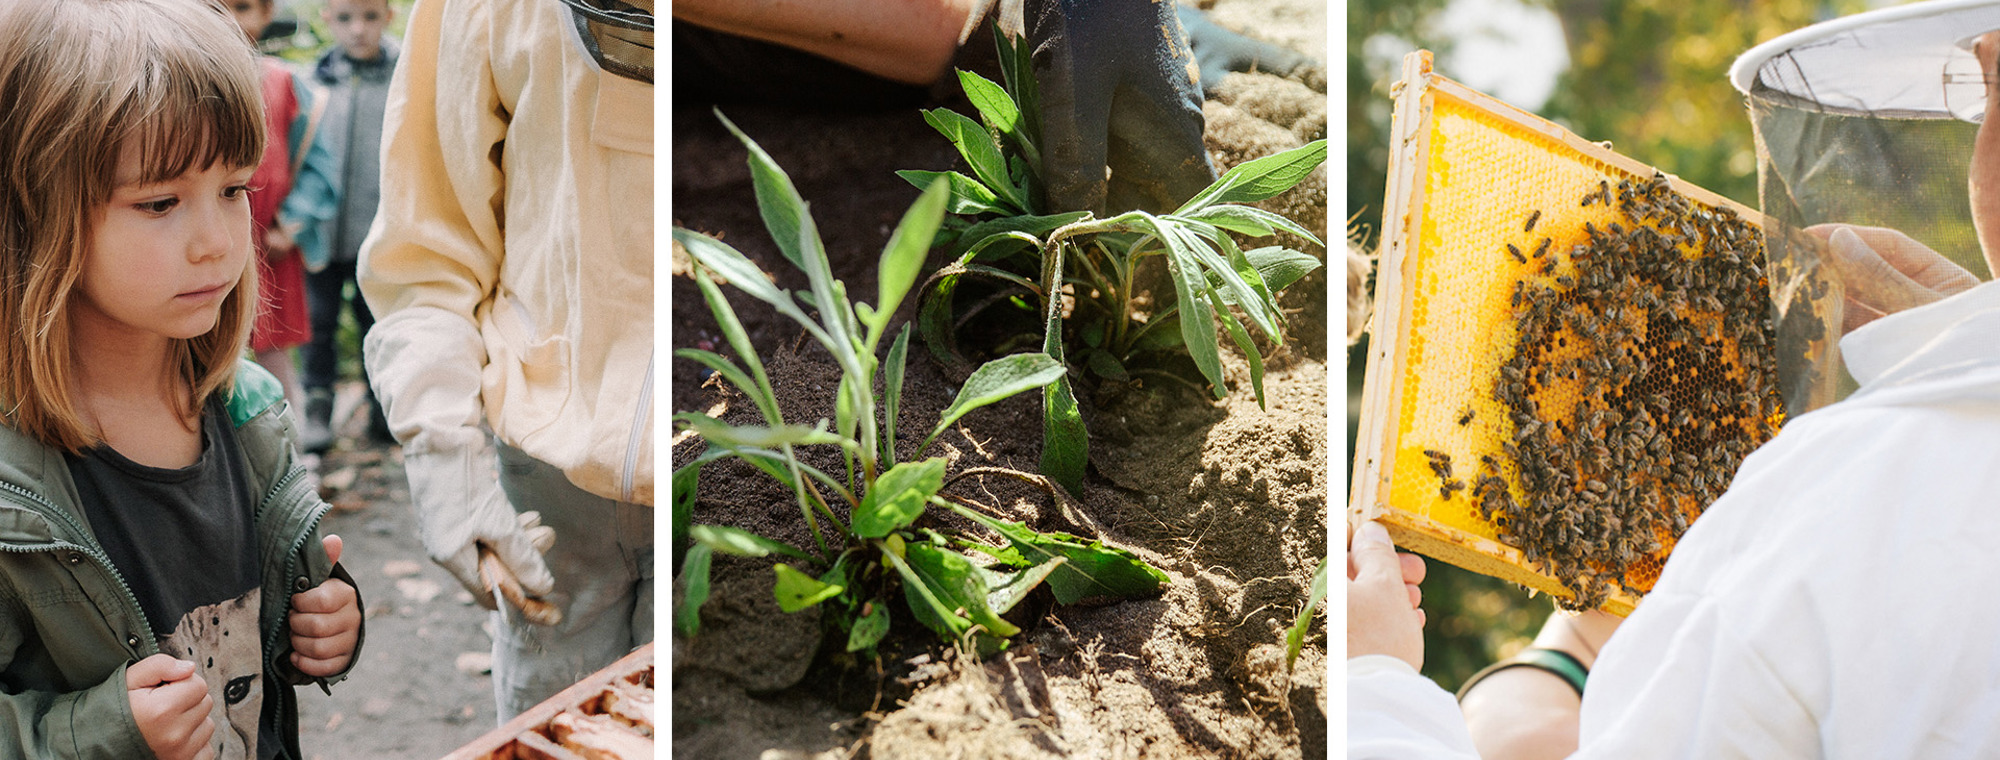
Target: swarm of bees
{"x": 1643, "y": 375}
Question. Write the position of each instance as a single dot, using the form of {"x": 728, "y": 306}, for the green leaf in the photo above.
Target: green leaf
{"x": 903, "y": 258}
{"x": 755, "y": 436}
{"x": 925, "y": 602}
{"x": 1065, "y": 443}
{"x": 741, "y": 543}
{"x": 981, "y": 152}
{"x": 1163, "y": 333}
{"x": 1197, "y": 319}
{"x": 892, "y": 392}
{"x": 739, "y": 341}
{"x": 995, "y": 107}
{"x": 997, "y": 380}
{"x": 870, "y": 628}
{"x": 1000, "y": 113}
{"x": 1251, "y": 221}
{"x": 777, "y": 200}
{"x": 959, "y": 584}
{"x": 1280, "y": 266}
{"x": 967, "y": 195}
{"x": 1187, "y": 245}
{"x": 734, "y": 267}
{"x": 898, "y": 496}
{"x": 1296, "y": 638}
{"x": 1249, "y": 349}
{"x": 729, "y": 371}
{"x": 687, "y": 482}
{"x": 1090, "y": 569}
{"x": 1106, "y": 366}
{"x": 1008, "y": 589}
{"x": 796, "y": 591}
{"x": 687, "y": 617}
{"x": 1253, "y": 181}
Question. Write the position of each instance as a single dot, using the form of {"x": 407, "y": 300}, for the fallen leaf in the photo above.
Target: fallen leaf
{"x": 335, "y": 721}
{"x": 475, "y": 664}
{"x": 339, "y": 480}
{"x": 400, "y": 568}
{"x": 419, "y": 590}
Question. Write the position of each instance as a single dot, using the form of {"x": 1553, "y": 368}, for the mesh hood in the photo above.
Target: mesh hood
{"x": 619, "y": 35}
{"x": 1863, "y": 120}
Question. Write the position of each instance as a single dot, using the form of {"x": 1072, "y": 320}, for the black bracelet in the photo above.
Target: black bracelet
{"x": 1555, "y": 661}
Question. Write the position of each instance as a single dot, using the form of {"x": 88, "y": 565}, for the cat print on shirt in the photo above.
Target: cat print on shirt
{"x": 222, "y": 641}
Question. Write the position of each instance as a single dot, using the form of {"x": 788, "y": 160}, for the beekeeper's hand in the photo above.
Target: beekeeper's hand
{"x": 425, "y": 364}
{"x": 1383, "y": 612}
{"x": 1885, "y": 271}
{"x": 460, "y": 506}
{"x": 1117, "y": 87}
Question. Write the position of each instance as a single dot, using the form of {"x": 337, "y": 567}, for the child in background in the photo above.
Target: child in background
{"x": 293, "y": 190}
{"x": 354, "y": 75}
{"x": 163, "y": 584}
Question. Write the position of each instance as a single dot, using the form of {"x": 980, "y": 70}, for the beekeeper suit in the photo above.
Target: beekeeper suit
{"x": 1831, "y": 604}
{"x": 511, "y": 271}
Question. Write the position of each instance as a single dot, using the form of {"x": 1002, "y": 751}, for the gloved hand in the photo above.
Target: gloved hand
{"x": 460, "y": 506}
{"x": 1116, "y": 83}
{"x": 1219, "y": 51}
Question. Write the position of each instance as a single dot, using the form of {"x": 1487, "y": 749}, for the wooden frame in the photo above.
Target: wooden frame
{"x": 1404, "y": 208}
{"x": 522, "y": 737}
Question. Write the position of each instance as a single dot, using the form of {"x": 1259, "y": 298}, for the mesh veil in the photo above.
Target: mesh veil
{"x": 1864, "y": 120}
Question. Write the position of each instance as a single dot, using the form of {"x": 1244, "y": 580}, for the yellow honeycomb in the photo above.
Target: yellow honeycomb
{"x": 1492, "y": 189}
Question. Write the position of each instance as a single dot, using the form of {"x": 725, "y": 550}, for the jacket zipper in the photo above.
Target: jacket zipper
{"x": 96, "y": 553}
{"x": 640, "y": 416}
{"x": 317, "y": 513}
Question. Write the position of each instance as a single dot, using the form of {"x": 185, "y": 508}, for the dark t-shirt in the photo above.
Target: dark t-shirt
{"x": 184, "y": 542}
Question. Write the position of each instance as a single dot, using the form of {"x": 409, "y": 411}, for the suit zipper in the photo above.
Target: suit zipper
{"x": 640, "y": 416}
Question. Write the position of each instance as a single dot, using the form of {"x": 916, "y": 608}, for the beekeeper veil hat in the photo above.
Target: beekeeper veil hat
{"x": 618, "y": 34}
{"x": 1867, "y": 120}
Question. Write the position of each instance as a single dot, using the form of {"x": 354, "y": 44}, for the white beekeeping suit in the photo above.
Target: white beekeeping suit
{"x": 1830, "y": 604}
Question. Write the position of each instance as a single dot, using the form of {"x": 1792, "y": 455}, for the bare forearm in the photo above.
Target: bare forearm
{"x": 905, "y": 40}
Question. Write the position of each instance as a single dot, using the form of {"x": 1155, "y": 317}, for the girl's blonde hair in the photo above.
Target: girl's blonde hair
{"x": 82, "y": 83}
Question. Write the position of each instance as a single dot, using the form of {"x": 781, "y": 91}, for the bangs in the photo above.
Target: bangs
{"x": 191, "y": 108}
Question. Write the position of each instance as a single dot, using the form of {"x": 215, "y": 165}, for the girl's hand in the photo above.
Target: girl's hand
{"x": 171, "y": 706}
{"x": 326, "y": 623}
{"x": 1382, "y": 598}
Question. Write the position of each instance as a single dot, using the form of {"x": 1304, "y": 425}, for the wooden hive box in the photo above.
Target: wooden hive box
{"x": 606, "y": 716}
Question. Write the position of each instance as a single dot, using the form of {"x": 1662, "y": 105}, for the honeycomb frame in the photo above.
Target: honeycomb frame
{"x": 1396, "y": 432}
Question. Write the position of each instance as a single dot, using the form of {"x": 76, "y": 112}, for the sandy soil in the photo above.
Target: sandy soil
{"x": 1228, "y": 499}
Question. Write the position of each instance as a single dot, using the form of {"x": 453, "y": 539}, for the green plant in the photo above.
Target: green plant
{"x": 1295, "y": 639}
{"x": 955, "y": 586}
{"x": 1091, "y": 268}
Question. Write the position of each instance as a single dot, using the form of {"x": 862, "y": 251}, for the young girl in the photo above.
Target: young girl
{"x": 162, "y": 582}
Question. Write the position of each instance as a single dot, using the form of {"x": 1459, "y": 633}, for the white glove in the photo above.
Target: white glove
{"x": 460, "y": 506}
{"x": 425, "y": 364}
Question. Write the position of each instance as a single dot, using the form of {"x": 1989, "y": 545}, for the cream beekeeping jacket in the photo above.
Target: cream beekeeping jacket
{"x": 1836, "y": 602}
{"x": 510, "y": 265}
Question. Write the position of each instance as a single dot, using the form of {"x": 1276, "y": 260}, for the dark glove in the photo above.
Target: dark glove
{"x": 1219, "y": 51}
{"x": 1117, "y": 87}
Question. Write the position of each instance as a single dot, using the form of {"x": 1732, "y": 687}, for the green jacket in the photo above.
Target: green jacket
{"x": 69, "y": 625}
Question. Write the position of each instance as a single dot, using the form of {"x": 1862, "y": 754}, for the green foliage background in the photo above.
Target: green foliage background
{"x": 1651, "y": 76}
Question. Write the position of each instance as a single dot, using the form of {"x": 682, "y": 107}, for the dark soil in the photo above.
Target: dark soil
{"x": 1229, "y": 500}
